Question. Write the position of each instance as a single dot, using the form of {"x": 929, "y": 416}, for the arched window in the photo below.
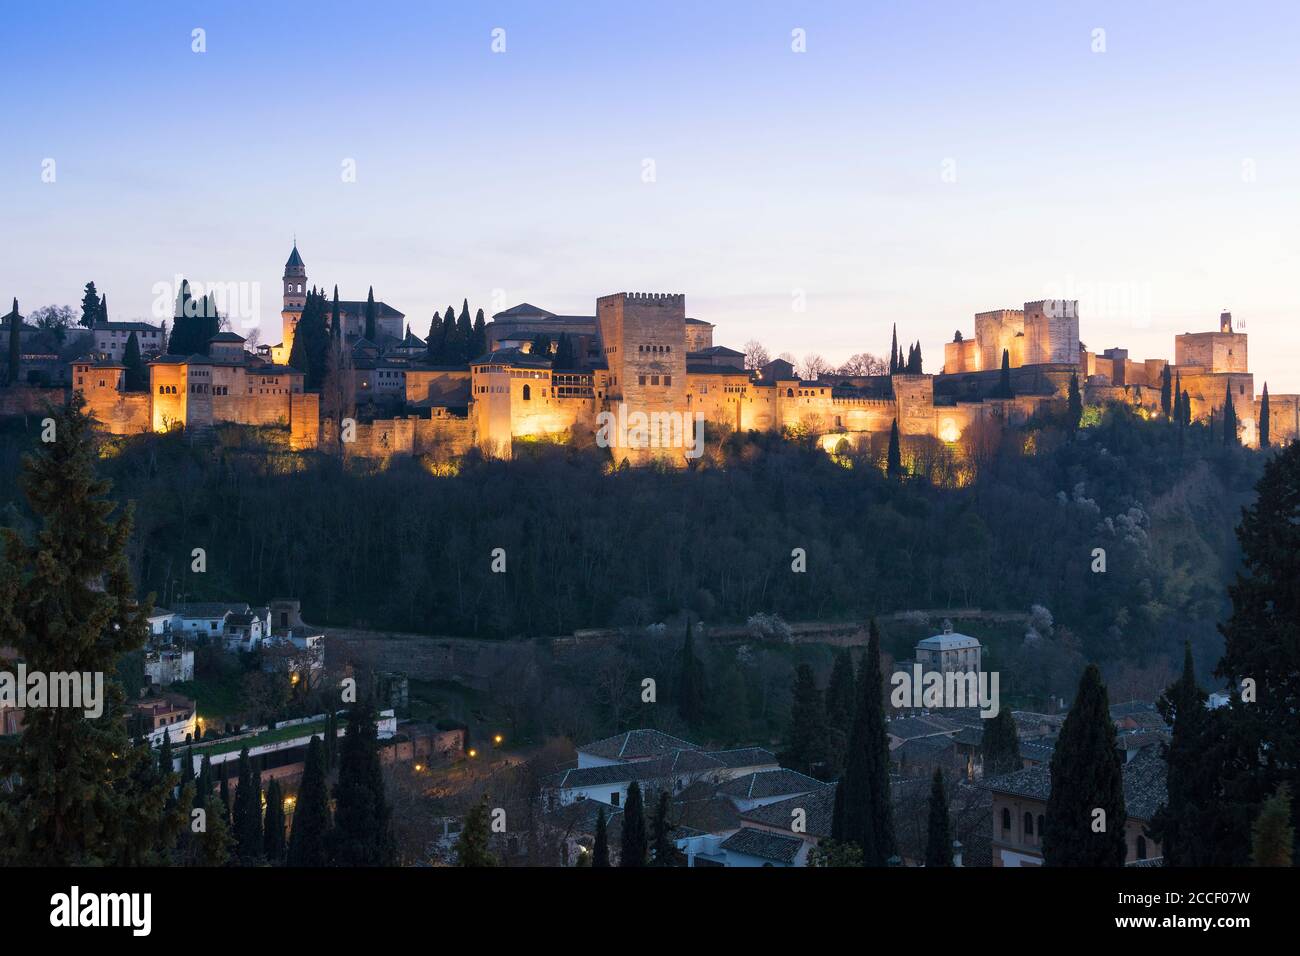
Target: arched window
{"x": 160, "y": 390}
{"x": 1006, "y": 819}
{"x": 1142, "y": 848}
{"x": 1029, "y": 823}
{"x": 789, "y": 393}
{"x": 528, "y": 394}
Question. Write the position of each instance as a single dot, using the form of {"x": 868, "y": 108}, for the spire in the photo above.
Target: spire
{"x": 295, "y": 260}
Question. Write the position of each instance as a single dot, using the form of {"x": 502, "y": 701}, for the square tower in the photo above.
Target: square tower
{"x": 1052, "y": 332}
{"x": 643, "y": 335}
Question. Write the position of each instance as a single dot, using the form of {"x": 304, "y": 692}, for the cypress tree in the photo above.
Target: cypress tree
{"x": 311, "y": 342}
{"x": 480, "y": 336}
{"x": 453, "y": 351}
{"x": 665, "y": 851}
{"x": 600, "y": 852}
{"x": 371, "y": 332}
{"x": 15, "y": 344}
{"x": 465, "y": 332}
{"x": 77, "y": 791}
{"x": 893, "y": 351}
{"x": 273, "y": 845}
{"x": 938, "y": 844}
{"x": 1166, "y": 393}
{"x": 634, "y": 833}
{"x": 103, "y": 307}
{"x": 1264, "y": 418}
{"x": 1087, "y": 775}
{"x": 862, "y": 813}
{"x": 690, "y": 703}
{"x": 1272, "y": 836}
{"x": 894, "y": 462}
{"x": 841, "y": 698}
{"x": 1178, "y": 824}
{"x": 807, "y": 750}
{"x": 248, "y": 813}
{"x": 1000, "y": 746}
{"x": 90, "y": 310}
{"x": 433, "y": 344}
{"x": 1229, "y": 418}
{"x": 136, "y": 375}
{"x": 223, "y": 792}
{"x": 336, "y": 321}
{"x": 472, "y": 847}
{"x": 212, "y": 848}
{"x": 1074, "y": 414}
{"x": 1004, "y": 377}
{"x": 1187, "y": 409}
{"x": 311, "y": 817}
{"x": 362, "y": 834}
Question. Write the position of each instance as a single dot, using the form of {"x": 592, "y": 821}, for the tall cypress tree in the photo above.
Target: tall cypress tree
{"x": 371, "y": 331}
{"x": 480, "y": 336}
{"x": 433, "y": 344}
{"x": 863, "y": 813}
{"x": 894, "y": 461}
{"x": 15, "y": 344}
{"x": 635, "y": 846}
{"x": 248, "y": 813}
{"x": 311, "y": 818}
{"x": 1179, "y": 824}
{"x": 1000, "y": 746}
{"x": 1004, "y": 377}
{"x": 273, "y": 845}
{"x": 78, "y": 791}
{"x": 1263, "y": 418}
{"x": 362, "y": 834}
{"x": 472, "y": 847}
{"x": 1229, "y": 418}
{"x": 1187, "y": 409}
{"x": 1074, "y": 405}
{"x": 841, "y": 699}
{"x": 807, "y": 748}
{"x": 336, "y": 321}
{"x": 690, "y": 686}
{"x": 600, "y": 852}
{"x": 1087, "y": 776}
{"x": 453, "y": 351}
{"x": 665, "y": 851}
{"x": 938, "y": 844}
{"x": 893, "y": 351}
{"x": 311, "y": 342}
{"x": 136, "y": 376}
{"x": 1166, "y": 393}
{"x": 90, "y": 309}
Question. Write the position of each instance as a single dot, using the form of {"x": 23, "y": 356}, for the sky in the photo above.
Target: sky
{"x": 808, "y": 174}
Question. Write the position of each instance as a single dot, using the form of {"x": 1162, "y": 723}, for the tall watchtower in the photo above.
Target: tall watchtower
{"x": 295, "y": 297}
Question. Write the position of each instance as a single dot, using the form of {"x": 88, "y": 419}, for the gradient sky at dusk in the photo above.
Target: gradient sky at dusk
{"x": 1120, "y": 178}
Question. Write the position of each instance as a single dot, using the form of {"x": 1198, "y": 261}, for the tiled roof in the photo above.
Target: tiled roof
{"x": 512, "y": 356}
{"x": 745, "y": 757}
{"x": 209, "y": 609}
{"x": 125, "y": 327}
{"x": 819, "y": 805}
{"x": 636, "y": 744}
{"x": 522, "y": 309}
{"x": 294, "y": 258}
{"x": 1144, "y": 784}
{"x": 910, "y": 728}
{"x": 763, "y": 844}
{"x": 770, "y": 783}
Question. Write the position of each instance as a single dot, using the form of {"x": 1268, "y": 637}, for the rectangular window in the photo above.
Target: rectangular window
{"x": 614, "y": 798}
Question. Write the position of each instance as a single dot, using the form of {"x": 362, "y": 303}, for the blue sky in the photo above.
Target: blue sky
{"x": 1157, "y": 181}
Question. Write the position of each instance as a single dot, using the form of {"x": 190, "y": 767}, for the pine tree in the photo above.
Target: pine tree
{"x": 372, "y": 333}
{"x": 362, "y": 834}
{"x": 472, "y": 847}
{"x": 863, "y": 813}
{"x": 1264, "y": 418}
{"x": 311, "y": 818}
{"x": 77, "y": 791}
{"x": 1166, "y": 393}
{"x": 690, "y": 686}
{"x": 665, "y": 851}
{"x": 15, "y": 344}
{"x": 248, "y": 813}
{"x": 635, "y": 846}
{"x": 1074, "y": 413}
{"x": 90, "y": 309}
{"x": 273, "y": 827}
{"x": 894, "y": 462}
{"x": 136, "y": 375}
{"x": 1000, "y": 745}
{"x": 1273, "y": 836}
{"x": 938, "y": 844}
{"x": 1229, "y": 418}
{"x": 807, "y": 749}
{"x": 1087, "y": 776}
{"x": 600, "y": 852}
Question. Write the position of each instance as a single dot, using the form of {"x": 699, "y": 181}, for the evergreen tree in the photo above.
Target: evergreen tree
{"x": 564, "y": 356}
{"x": 433, "y": 344}
{"x": 372, "y": 333}
{"x": 894, "y": 462}
{"x": 15, "y": 344}
{"x": 336, "y": 321}
{"x": 1273, "y": 837}
{"x": 311, "y": 817}
{"x": 807, "y": 749}
{"x": 136, "y": 375}
{"x": 223, "y": 793}
{"x": 1074, "y": 413}
{"x": 841, "y": 699}
{"x": 362, "y": 834}
{"x": 893, "y": 352}
{"x": 453, "y": 350}
{"x": 1180, "y": 824}
{"x": 273, "y": 845}
{"x": 248, "y": 813}
{"x": 634, "y": 832}
{"x": 1000, "y": 745}
{"x": 1166, "y": 393}
{"x": 1087, "y": 775}
{"x": 1264, "y": 418}
{"x": 690, "y": 685}
{"x": 472, "y": 847}
{"x": 103, "y": 307}
{"x": 1229, "y": 418}
{"x": 863, "y": 813}
{"x": 479, "y": 346}
{"x": 1187, "y": 409}
{"x": 600, "y": 852}
{"x": 182, "y": 340}
{"x": 77, "y": 791}
{"x": 90, "y": 310}
{"x": 665, "y": 851}
{"x": 1004, "y": 389}
{"x": 311, "y": 342}
{"x": 212, "y": 848}
{"x": 938, "y": 844}
{"x": 465, "y": 333}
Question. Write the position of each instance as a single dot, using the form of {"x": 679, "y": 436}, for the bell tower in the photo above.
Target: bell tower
{"x": 295, "y": 297}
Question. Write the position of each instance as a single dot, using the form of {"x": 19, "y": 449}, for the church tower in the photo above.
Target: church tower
{"x": 295, "y": 297}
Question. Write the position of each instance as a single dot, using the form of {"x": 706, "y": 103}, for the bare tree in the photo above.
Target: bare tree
{"x": 812, "y": 367}
{"x": 756, "y": 354}
{"x": 864, "y": 363}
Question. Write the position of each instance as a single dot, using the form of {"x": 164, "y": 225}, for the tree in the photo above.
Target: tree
{"x": 895, "y": 360}
{"x": 690, "y": 686}
{"x": 273, "y": 845}
{"x": 1229, "y": 418}
{"x": 564, "y": 355}
{"x": 1272, "y": 836}
{"x": 1087, "y": 777}
{"x": 841, "y": 699}
{"x": 472, "y": 847}
{"x": 756, "y": 355}
{"x": 90, "y": 308}
{"x": 248, "y": 813}
{"x": 894, "y": 463}
{"x": 938, "y": 844}
{"x": 1182, "y": 825}
{"x": 863, "y": 813}
{"x": 807, "y": 749}
{"x": 1000, "y": 745}
{"x": 634, "y": 849}
{"x": 336, "y": 322}
{"x": 863, "y": 363}
{"x": 311, "y": 342}
{"x": 600, "y": 852}
{"x": 1004, "y": 389}
{"x": 78, "y": 792}
{"x": 465, "y": 334}
{"x": 311, "y": 818}
{"x": 362, "y": 834}
{"x": 1166, "y": 393}
{"x": 1264, "y": 416}
{"x": 371, "y": 332}
{"x": 136, "y": 375}
{"x": 813, "y": 367}
{"x": 15, "y": 344}
{"x": 433, "y": 343}
{"x": 479, "y": 343}
{"x": 665, "y": 851}
{"x": 52, "y": 318}
{"x": 1074, "y": 413}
